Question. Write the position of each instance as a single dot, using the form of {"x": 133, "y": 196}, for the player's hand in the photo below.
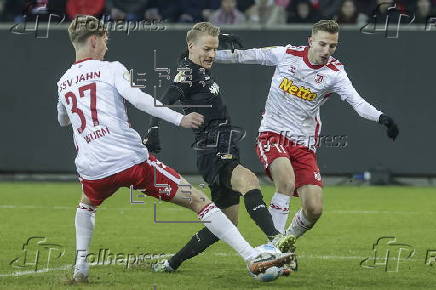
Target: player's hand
{"x": 151, "y": 140}
{"x": 192, "y": 120}
{"x": 392, "y": 128}
{"x": 229, "y": 41}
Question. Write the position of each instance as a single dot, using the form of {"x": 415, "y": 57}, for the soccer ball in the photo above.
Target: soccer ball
{"x": 269, "y": 275}
{"x": 272, "y": 273}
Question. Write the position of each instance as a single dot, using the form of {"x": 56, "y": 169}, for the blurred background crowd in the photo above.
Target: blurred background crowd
{"x": 219, "y": 12}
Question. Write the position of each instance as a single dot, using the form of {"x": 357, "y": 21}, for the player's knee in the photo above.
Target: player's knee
{"x": 232, "y": 214}
{"x": 198, "y": 200}
{"x": 314, "y": 211}
{"x": 84, "y": 199}
{"x": 243, "y": 180}
{"x": 286, "y": 186}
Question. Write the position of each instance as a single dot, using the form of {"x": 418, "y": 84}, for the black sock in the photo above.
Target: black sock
{"x": 258, "y": 211}
{"x": 198, "y": 243}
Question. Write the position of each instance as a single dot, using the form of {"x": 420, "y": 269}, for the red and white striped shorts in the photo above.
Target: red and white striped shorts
{"x": 270, "y": 146}
{"x": 151, "y": 176}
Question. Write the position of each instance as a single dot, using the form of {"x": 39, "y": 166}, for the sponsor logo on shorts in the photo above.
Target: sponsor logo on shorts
{"x": 224, "y": 155}
{"x": 289, "y": 87}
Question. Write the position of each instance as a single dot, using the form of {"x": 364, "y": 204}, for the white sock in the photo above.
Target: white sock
{"x": 223, "y": 228}
{"x": 85, "y": 222}
{"x": 300, "y": 224}
{"x": 279, "y": 209}
{"x": 167, "y": 265}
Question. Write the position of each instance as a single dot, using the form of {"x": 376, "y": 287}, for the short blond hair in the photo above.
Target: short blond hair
{"x": 84, "y": 26}
{"x": 202, "y": 28}
{"x": 330, "y": 26}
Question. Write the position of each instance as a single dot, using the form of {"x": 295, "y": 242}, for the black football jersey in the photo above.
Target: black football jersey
{"x": 195, "y": 88}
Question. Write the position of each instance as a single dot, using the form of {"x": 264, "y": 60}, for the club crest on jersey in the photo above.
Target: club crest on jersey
{"x": 301, "y": 92}
{"x": 214, "y": 89}
{"x": 126, "y": 76}
{"x": 319, "y": 78}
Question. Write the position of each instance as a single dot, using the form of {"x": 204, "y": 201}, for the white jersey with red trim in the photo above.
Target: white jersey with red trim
{"x": 298, "y": 89}
{"x": 91, "y": 98}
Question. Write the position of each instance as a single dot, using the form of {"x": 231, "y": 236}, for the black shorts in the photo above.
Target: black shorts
{"x": 217, "y": 172}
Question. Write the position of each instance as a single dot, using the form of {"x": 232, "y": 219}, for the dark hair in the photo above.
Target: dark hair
{"x": 340, "y": 18}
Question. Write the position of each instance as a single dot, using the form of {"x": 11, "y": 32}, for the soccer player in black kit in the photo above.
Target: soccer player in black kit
{"x": 215, "y": 145}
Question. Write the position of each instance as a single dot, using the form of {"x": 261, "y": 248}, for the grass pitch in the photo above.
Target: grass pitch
{"x": 330, "y": 255}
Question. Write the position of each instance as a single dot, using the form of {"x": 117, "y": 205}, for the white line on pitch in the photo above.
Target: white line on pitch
{"x": 74, "y": 207}
{"x": 22, "y": 273}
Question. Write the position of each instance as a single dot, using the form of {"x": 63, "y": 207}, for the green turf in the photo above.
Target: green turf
{"x": 354, "y": 218}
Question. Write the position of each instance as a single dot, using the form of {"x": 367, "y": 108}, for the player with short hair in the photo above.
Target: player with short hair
{"x": 304, "y": 79}
{"x": 110, "y": 153}
{"x": 215, "y": 145}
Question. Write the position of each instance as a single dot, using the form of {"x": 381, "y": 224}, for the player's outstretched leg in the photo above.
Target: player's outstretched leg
{"x": 84, "y": 222}
{"x": 222, "y": 227}
{"x": 246, "y": 182}
{"x": 308, "y": 215}
{"x": 196, "y": 245}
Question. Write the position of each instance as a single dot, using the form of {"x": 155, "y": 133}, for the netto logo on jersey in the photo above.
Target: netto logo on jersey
{"x": 301, "y": 92}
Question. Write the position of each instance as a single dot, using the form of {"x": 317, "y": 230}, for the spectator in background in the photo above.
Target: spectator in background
{"x": 364, "y": 6}
{"x": 210, "y": 7}
{"x": 423, "y": 10}
{"x": 379, "y": 11}
{"x": 84, "y": 7}
{"x": 131, "y": 10}
{"x": 268, "y": 12}
{"x": 169, "y": 10}
{"x": 9, "y": 10}
{"x": 329, "y": 8}
{"x": 303, "y": 13}
{"x": 15, "y": 10}
{"x": 28, "y": 10}
{"x": 348, "y": 14}
{"x": 40, "y": 7}
{"x": 261, "y": 11}
{"x": 192, "y": 10}
{"x": 279, "y": 12}
{"x": 244, "y": 5}
{"x": 227, "y": 14}
{"x": 186, "y": 10}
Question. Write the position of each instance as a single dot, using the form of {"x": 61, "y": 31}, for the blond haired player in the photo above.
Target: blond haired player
{"x": 217, "y": 152}
{"x": 304, "y": 78}
{"x": 110, "y": 153}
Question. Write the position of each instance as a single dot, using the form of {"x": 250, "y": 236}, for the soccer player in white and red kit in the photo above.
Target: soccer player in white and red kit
{"x": 304, "y": 78}
{"x": 110, "y": 153}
